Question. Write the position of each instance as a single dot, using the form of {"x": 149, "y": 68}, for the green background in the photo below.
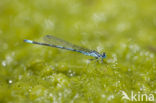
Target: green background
{"x": 124, "y": 29}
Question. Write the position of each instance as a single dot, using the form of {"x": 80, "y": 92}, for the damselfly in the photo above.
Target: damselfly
{"x": 59, "y": 43}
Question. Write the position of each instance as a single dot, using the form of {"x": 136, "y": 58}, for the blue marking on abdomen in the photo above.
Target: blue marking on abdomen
{"x": 28, "y": 41}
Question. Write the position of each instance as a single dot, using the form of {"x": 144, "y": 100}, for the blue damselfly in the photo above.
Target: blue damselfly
{"x": 59, "y": 43}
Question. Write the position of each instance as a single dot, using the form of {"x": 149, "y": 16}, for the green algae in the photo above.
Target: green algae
{"x": 125, "y": 30}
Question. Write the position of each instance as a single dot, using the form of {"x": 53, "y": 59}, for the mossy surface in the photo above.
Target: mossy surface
{"x": 124, "y": 30}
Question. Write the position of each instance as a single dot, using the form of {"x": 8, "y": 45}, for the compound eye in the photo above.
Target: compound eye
{"x": 103, "y": 55}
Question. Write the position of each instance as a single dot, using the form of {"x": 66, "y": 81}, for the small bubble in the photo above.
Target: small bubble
{"x": 10, "y": 81}
{"x": 141, "y": 53}
{"x": 151, "y": 55}
{"x": 76, "y": 96}
{"x": 71, "y": 74}
{"x": 59, "y": 85}
{"x": 114, "y": 58}
{"x": 99, "y": 17}
{"x": 135, "y": 57}
{"x": 29, "y": 90}
{"x": 87, "y": 61}
{"x": 147, "y": 53}
{"x": 50, "y": 94}
{"x": 49, "y": 24}
{"x": 110, "y": 97}
{"x": 60, "y": 94}
{"x": 129, "y": 69}
{"x": 9, "y": 59}
{"x": 99, "y": 48}
{"x": 3, "y": 63}
{"x": 103, "y": 96}
{"x": 62, "y": 66}
{"x": 20, "y": 77}
{"x": 123, "y": 45}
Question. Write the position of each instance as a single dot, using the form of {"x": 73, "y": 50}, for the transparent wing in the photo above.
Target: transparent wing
{"x": 59, "y": 42}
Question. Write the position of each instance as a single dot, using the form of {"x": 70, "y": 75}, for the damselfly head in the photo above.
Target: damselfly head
{"x": 103, "y": 55}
